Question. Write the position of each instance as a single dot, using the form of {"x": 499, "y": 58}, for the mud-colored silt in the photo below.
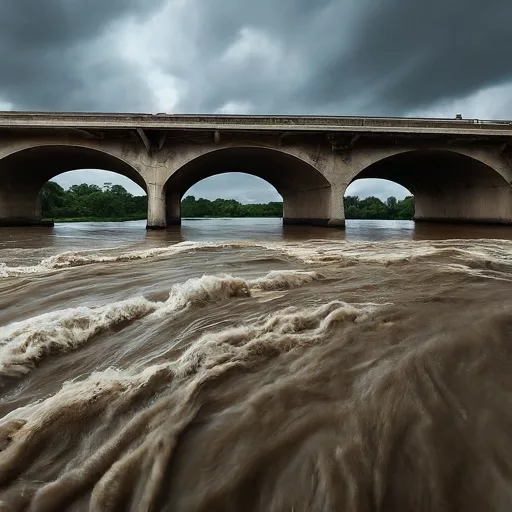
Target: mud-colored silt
{"x": 311, "y": 375}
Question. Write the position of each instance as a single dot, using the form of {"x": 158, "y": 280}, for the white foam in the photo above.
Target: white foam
{"x": 198, "y": 291}
{"x": 281, "y": 331}
{"x": 310, "y": 252}
{"x": 71, "y": 259}
{"x": 208, "y": 288}
{"x": 475, "y": 272}
{"x": 324, "y": 252}
{"x": 23, "y": 344}
{"x": 110, "y": 381}
{"x": 284, "y": 280}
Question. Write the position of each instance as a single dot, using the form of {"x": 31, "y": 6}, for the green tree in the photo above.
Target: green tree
{"x": 374, "y": 208}
{"x": 405, "y": 208}
{"x": 115, "y": 202}
{"x": 391, "y": 202}
{"x": 91, "y": 201}
{"x": 52, "y": 197}
{"x": 192, "y": 207}
{"x": 83, "y": 190}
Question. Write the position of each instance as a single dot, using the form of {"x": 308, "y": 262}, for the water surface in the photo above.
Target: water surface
{"x": 236, "y": 364}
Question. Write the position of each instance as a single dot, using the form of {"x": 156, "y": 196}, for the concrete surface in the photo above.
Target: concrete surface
{"x": 458, "y": 170}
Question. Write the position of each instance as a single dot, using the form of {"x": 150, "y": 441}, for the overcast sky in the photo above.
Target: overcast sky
{"x": 340, "y": 57}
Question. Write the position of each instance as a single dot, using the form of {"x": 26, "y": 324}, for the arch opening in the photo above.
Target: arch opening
{"x": 232, "y": 195}
{"x": 94, "y": 195}
{"x": 377, "y": 198}
{"x": 26, "y": 173}
{"x": 447, "y": 186}
{"x": 305, "y": 191}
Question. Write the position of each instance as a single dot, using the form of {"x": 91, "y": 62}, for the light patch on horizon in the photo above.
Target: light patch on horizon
{"x": 97, "y": 177}
{"x": 242, "y": 187}
{"x": 233, "y": 107}
{"x": 135, "y": 43}
{"x": 382, "y": 189}
{"x": 491, "y": 103}
{"x": 5, "y": 106}
{"x": 253, "y": 44}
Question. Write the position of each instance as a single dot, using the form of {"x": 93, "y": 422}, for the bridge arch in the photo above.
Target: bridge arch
{"x": 24, "y": 172}
{"x": 447, "y": 185}
{"x": 306, "y": 192}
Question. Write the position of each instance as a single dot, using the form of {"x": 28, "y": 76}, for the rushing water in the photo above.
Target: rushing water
{"x": 236, "y": 365}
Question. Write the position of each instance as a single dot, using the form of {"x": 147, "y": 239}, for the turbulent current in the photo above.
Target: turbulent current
{"x": 298, "y": 372}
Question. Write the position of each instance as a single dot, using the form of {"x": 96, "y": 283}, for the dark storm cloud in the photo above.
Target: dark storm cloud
{"x": 411, "y": 54}
{"x": 50, "y": 56}
{"x": 323, "y": 56}
{"x": 354, "y": 57}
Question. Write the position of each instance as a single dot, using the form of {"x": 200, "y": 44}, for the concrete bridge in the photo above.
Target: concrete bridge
{"x": 458, "y": 170}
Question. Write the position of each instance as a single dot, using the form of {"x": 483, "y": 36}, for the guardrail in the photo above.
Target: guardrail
{"x": 15, "y": 113}
{"x": 109, "y": 120}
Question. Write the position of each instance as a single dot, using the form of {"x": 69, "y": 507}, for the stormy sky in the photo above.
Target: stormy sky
{"x": 340, "y": 57}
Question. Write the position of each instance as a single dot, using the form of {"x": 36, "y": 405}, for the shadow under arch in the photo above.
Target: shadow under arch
{"x": 447, "y": 186}
{"x": 24, "y": 172}
{"x": 305, "y": 191}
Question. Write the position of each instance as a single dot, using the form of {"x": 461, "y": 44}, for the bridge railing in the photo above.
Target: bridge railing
{"x": 100, "y": 120}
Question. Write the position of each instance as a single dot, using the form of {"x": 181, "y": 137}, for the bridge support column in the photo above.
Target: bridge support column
{"x": 337, "y": 210}
{"x": 173, "y": 209}
{"x": 483, "y": 204}
{"x": 316, "y": 207}
{"x": 19, "y": 206}
{"x": 156, "y": 207}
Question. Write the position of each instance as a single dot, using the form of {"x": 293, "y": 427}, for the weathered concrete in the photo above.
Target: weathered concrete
{"x": 459, "y": 171}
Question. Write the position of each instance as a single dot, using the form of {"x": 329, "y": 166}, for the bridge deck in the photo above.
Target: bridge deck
{"x": 113, "y": 121}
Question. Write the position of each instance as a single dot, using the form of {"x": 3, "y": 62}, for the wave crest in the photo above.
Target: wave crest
{"x": 23, "y": 344}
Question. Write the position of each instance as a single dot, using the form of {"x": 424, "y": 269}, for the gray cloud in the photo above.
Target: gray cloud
{"x": 339, "y": 56}
{"x": 293, "y": 56}
{"x": 97, "y": 177}
{"x": 410, "y": 54}
{"x": 345, "y": 58}
{"x": 377, "y": 188}
{"x": 52, "y": 57}
{"x": 242, "y": 187}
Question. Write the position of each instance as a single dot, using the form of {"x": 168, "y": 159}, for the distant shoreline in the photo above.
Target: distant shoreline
{"x": 127, "y": 219}
{"x": 93, "y": 219}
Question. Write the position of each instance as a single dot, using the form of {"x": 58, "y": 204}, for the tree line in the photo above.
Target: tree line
{"x": 192, "y": 207}
{"x": 114, "y": 202}
{"x": 374, "y": 208}
{"x": 91, "y": 202}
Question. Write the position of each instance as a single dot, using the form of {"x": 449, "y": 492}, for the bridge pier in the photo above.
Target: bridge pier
{"x": 19, "y": 206}
{"x": 476, "y": 205}
{"x": 317, "y": 207}
{"x": 173, "y": 209}
{"x": 156, "y": 207}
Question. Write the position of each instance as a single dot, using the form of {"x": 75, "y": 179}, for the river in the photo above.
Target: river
{"x": 236, "y": 365}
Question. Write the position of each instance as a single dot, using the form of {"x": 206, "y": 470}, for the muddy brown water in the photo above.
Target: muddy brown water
{"x": 233, "y": 365}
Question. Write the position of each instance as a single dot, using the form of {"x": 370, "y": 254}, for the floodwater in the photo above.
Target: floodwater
{"x": 236, "y": 365}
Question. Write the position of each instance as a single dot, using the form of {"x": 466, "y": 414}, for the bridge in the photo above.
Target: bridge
{"x": 458, "y": 170}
